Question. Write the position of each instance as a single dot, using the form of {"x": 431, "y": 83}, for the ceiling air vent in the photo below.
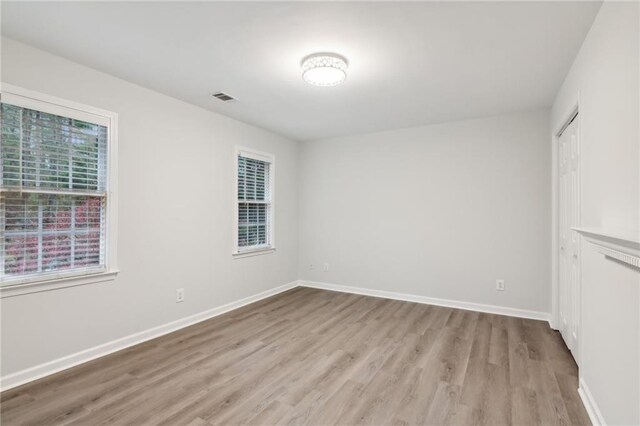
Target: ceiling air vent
{"x": 223, "y": 97}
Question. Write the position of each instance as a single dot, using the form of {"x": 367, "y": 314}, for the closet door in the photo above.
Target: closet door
{"x": 569, "y": 250}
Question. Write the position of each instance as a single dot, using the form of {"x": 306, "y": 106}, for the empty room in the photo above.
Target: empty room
{"x": 320, "y": 213}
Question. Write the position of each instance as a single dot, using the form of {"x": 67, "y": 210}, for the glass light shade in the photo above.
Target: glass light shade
{"x": 324, "y": 69}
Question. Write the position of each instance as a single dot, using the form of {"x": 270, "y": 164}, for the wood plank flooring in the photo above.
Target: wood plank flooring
{"x": 317, "y": 357}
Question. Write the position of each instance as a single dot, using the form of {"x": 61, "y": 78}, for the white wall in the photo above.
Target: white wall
{"x": 439, "y": 211}
{"x": 605, "y": 75}
{"x": 175, "y": 217}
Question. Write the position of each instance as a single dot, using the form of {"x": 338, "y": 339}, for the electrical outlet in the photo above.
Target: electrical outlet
{"x": 500, "y": 285}
{"x": 180, "y": 295}
{"x": 325, "y": 267}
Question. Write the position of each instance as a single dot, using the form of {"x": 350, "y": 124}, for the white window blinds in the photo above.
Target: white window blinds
{"x": 254, "y": 203}
{"x": 52, "y": 194}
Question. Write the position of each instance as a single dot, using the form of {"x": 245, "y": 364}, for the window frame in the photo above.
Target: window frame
{"x": 240, "y": 252}
{"x": 30, "y": 99}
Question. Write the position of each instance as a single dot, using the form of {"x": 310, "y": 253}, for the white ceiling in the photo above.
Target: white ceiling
{"x": 410, "y": 63}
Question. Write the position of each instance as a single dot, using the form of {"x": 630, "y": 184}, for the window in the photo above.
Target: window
{"x": 254, "y": 202}
{"x": 55, "y": 193}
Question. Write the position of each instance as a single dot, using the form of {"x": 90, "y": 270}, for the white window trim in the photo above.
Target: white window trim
{"x": 50, "y": 104}
{"x": 238, "y": 252}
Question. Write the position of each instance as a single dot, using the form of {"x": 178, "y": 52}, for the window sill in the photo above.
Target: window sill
{"x": 54, "y": 284}
{"x": 254, "y": 252}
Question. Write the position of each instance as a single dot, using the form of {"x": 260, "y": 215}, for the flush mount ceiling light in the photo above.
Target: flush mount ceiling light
{"x": 324, "y": 69}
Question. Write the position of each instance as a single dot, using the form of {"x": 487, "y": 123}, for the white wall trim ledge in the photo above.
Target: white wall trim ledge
{"x": 590, "y": 405}
{"x": 39, "y": 371}
{"x": 469, "y": 306}
{"x": 624, "y": 248}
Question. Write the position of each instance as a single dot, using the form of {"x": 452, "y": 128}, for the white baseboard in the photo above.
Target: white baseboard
{"x": 590, "y": 404}
{"x": 30, "y": 374}
{"x": 469, "y": 306}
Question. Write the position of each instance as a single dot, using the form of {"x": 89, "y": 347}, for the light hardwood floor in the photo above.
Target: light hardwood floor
{"x": 310, "y": 356}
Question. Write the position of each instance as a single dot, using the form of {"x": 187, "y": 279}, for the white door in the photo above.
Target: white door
{"x": 569, "y": 211}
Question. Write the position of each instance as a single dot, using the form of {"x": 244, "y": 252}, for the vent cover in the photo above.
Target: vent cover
{"x": 223, "y": 97}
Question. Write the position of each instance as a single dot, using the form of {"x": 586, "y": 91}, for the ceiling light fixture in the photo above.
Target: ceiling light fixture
{"x": 324, "y": 69}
